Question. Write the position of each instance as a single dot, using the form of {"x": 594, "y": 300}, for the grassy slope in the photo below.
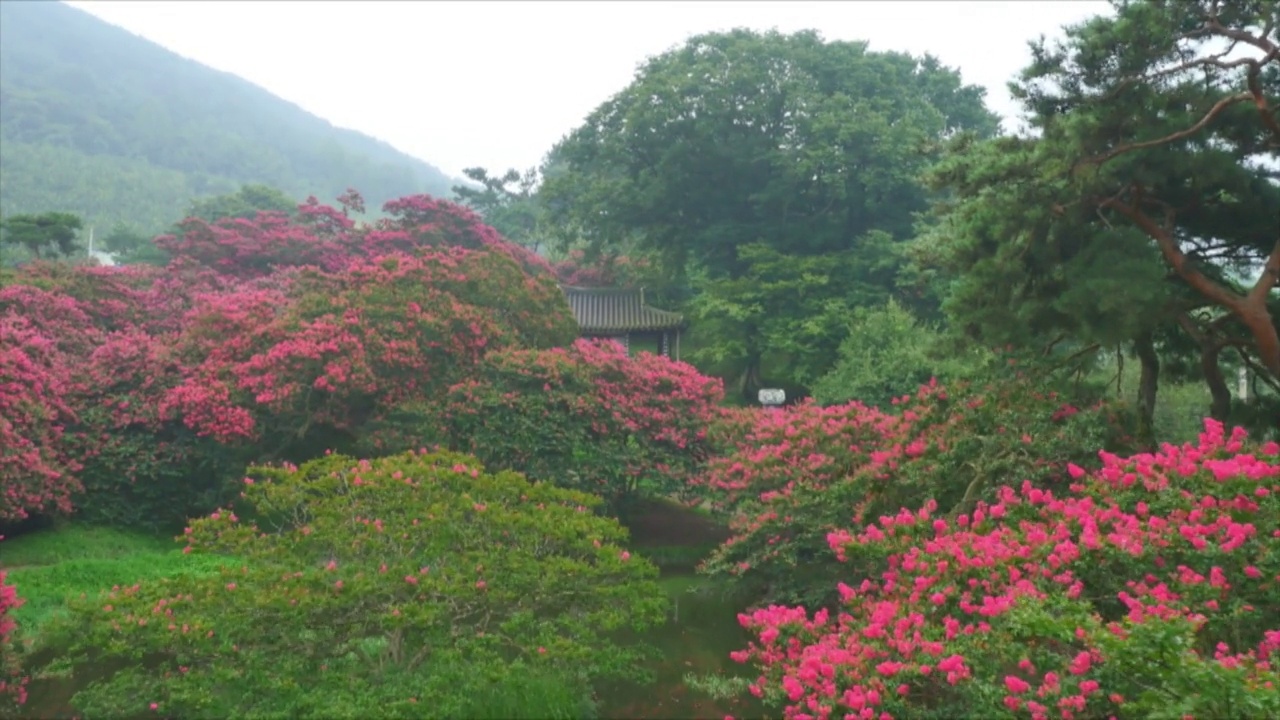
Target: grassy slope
{"x": 49, "y": 566}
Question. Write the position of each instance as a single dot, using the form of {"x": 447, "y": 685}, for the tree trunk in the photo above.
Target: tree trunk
{"x": 750, "y": 378}
{"x": 1220, "y": 407}
{"x": 1148, "y": 385}
{"x": 1210, "y": 350}
{"x": 1250, "y": 308}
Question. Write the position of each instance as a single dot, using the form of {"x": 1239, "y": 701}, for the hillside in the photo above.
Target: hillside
{"x": 100, "y": 122}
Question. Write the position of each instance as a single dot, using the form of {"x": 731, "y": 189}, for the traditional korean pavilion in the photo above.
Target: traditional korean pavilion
{"x": 621, "y": 314}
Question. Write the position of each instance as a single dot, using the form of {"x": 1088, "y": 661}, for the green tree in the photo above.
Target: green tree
{"x": 887, "y": 353}
{"x": 1139, "y": 200}
{"x": 785, "y": 311}
{"x": 806, "y": 147}
{"x": 44, "y": 235}
{"x": 130, "y": 245}
{"x": 246, "y": 202}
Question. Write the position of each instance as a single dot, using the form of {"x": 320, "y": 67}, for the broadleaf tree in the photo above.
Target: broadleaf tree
{"x": 741, "y": 139}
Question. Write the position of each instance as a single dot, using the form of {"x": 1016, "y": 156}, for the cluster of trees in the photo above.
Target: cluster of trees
{"x": 107, "y": 125}
{"x": 782, "y": 186}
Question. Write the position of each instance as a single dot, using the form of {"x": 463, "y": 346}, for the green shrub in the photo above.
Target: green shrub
{"x": 407, "y": 585}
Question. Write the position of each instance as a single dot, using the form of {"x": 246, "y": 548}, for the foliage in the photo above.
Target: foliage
{"x": 513, "y": 211}
{"x": 1140, "y": 208}
{"x": 578, "y": 268}
{"x": 792, "y": 309}
{"x": 361, "y": 583}
{"x": 1144, "y": 589}
{"x": 808, "y": 150}
{"x": 114, "y": 128}
{"x": 588, "y": 417}
{"x": 802, "y": 471}
{"x": 128, "y": 244}
{"x": 887, "y": 353}
{"x": 244, "y": 203}
{"x": 47, "y": 234}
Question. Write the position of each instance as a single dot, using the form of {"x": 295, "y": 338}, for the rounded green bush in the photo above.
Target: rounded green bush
{"x": 410, "y": 585}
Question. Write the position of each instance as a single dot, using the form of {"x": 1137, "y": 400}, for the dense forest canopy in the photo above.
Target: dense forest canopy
{"x": 777, "y": 172}
{"x": 104, "y": 124}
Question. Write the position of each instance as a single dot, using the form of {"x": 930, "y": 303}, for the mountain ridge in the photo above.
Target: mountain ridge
{"x": 93, "y": 115}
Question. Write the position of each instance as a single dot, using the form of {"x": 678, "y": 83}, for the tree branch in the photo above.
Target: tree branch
{"x": 1214, "y": 111}
{"x": 1174, "y": 255}
{"x": 1269, "y": 279}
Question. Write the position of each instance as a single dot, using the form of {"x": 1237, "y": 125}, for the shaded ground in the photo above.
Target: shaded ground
{"x": 703, "y": 629}
{"x": 658, "y": 523}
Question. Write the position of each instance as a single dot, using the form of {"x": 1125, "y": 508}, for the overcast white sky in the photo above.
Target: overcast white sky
{"x": 496, "y": 84}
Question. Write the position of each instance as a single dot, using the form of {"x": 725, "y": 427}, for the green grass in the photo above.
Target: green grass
{"x": 49, "y": 566}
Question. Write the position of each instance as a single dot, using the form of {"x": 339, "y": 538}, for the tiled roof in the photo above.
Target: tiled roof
{"x": 617, "y": 310}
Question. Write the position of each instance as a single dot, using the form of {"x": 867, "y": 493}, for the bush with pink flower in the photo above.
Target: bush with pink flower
{"x": 588, "y": 417}
{"x": 803, "y": 471}
{"x": 1146, "y": 588}
{"x": 277, "y": 336}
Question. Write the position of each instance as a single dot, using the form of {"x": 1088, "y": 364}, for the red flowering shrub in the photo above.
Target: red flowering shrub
{"x": 588, "y": 417}
{"x": 421, "y": 221}
{"x": 805, "y": 470}
{"x": 277, "y": 336}
{"x": 36, "y": 471}
{"x": 113, "y": 331}
{"x": 248, "y": 248}
{"x": 407, "y": 586}
{"x": 1145, "y": 589}
{"x": 13, "y": 686}
{"x": 337, "y": 350}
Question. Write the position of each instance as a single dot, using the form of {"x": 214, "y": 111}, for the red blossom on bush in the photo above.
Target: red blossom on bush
{"x": 1115, "y": 596}
{"x": 799, "y": 472}
{"x": 588, "y": 416}
{"x": 36, "y": 473}
{"x": 267, "y": 336}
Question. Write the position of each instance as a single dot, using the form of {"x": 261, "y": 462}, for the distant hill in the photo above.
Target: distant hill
{"x": 100, "y": 122}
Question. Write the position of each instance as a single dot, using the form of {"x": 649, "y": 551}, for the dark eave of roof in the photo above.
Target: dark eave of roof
{"x": 617, "y": 310}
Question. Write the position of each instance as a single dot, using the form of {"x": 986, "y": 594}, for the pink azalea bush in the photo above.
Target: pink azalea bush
{"x": 416, "y": 584}
{"x": 797, "y": 473}
{"x": 37, "y": 473}
{"x": 271, "y": 337}
{"x": 1146, "y": 588}
{"x": 588, "y": 417}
